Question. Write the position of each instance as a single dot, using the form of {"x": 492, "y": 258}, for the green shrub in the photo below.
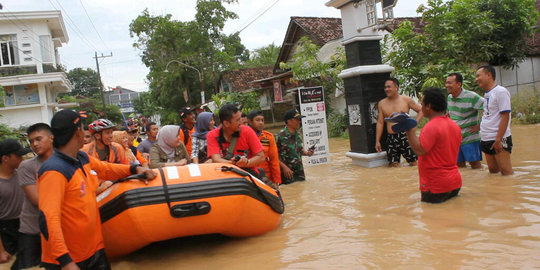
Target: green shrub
{"x": 17, "y": 134}
{"x": 337, "y": 124}
{"x": 526, "y": 107}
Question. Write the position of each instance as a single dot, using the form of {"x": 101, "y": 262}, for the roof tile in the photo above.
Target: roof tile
{"x": 239, "y": 79}
{"x": 322, "y": 29}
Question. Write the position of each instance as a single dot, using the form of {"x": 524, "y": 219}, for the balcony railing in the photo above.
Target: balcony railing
{"x": 17, "y": 70}
{"x": 23, "y": 70}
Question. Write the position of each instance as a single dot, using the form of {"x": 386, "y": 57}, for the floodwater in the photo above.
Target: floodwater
{"x": 348, "y": 217}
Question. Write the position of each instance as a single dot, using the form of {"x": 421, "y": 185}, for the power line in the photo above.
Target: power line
{"x": 258, "y": 16}
{"x": 74, "y": 27}
{"x": 122, "y": 61}
{"x": 97, "y": 32}
{"x": 252, "y": 16}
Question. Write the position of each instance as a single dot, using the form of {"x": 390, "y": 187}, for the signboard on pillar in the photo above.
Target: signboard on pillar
{"x": 315, "y": 132}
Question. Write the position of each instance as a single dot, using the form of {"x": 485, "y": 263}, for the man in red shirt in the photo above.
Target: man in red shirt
{"x": 437, "y": 149}
{"x": 246, "y": 150}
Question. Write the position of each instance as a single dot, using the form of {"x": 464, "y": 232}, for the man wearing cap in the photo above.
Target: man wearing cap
{"x": 271, "y": 156}
{"x": 41, "y": 141}
{"x": 69, "y": 220}
{"x": 11, "y": 199}
{"x": 234, "y": 143}
{"x": 187, "y": 127}
{"x": 291, "y": 148}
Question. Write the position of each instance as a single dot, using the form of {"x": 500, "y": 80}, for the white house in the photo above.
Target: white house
{"x": 29, "y": 62}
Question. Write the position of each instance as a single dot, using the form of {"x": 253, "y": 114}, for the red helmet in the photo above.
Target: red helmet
{"x": 99, "y": 125}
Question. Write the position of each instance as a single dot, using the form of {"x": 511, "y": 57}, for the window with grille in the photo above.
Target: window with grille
{"x": 371, "y": 12}
{"x": 8, "y": 50}
{"x": 45, "y": 43}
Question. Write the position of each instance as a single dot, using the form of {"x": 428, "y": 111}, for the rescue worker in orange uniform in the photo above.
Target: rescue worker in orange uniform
{"x": 69, "y": 219}
{"x": 187, "y": 127}
{"x": 270, "y": 165}
{"x": 103, "y": 147}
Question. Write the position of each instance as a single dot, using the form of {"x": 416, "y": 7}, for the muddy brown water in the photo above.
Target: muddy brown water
{"x": 348, "y": 217}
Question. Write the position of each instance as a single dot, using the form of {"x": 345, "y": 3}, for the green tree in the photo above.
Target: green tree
{"x": 306, "y": 67}
{"x": 146, "y": 105}
{"x": 2, "y": 95}
{"x": 263, "y": 56}
{"x": 85, "y": 82}
{"x": 248, "y": 101}
{"x": 458, "y": 35}
{"x": 200, "y": 44}
{"x": 18, "y": 134}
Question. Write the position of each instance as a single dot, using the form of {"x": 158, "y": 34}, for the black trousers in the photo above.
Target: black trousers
{"x": 9, "y": 231}
{"x": 29, "y": 250}
{"x": 98, "y": 261}
{"x": 439, "y": 197}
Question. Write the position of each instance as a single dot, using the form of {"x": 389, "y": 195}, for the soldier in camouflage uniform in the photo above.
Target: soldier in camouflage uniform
{"x": 290, "y": 148}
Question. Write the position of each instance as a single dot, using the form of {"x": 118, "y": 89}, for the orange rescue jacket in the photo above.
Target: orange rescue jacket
{"x": 186, "y": 141}
{"x": 69, "y": 218}
{"x": 116, "y": 152}
{"x": 271, "y": 157}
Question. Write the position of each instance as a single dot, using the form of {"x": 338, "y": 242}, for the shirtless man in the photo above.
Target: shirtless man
{"x": 397, "y": 142}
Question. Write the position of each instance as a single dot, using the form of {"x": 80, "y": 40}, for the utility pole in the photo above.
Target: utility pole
{"x": 99, "y": 80}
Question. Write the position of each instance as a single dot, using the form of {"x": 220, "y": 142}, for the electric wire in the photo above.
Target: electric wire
{"x": 75, "y": 27}
{"x": 258, "y": 16}
{"x": 252, "y": 16}
{"x": 91, "y": 22}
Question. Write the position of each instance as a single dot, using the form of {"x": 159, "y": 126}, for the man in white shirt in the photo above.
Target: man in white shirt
{"x": 495, "y": 135}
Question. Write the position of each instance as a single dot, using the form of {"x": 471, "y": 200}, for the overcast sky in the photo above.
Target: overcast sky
{"x": 112, "y": 18}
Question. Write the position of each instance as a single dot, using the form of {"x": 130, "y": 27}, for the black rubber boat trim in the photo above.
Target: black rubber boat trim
{"x": 185, "y": 192}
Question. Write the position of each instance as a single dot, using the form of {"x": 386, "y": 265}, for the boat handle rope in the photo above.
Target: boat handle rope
{"x": 166, "y": 192}
{"x": 279, "y": 210}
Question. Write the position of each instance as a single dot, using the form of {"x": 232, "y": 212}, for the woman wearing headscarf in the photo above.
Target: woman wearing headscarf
{"x": 205, "y": 122}
{"x": 169, "y": 150}
{"x": 125, "y": 140}
{"x": 121, "y": 137}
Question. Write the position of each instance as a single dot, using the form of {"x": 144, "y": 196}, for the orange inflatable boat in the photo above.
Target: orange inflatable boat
{"x": 187, "y": 200}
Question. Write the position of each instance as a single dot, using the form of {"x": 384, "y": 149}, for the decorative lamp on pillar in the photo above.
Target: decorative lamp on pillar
{"x": 364, "y": 75}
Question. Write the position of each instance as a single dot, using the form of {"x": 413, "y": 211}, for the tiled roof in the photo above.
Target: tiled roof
{"x": 321, "y": 30}
{"x": 418, "y": 24}
{"x": 239, "y": 79}
{"x": 318, "y": 30}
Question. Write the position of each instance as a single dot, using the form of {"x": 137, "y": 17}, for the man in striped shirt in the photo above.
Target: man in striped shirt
{"x": 463, "y": 107}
